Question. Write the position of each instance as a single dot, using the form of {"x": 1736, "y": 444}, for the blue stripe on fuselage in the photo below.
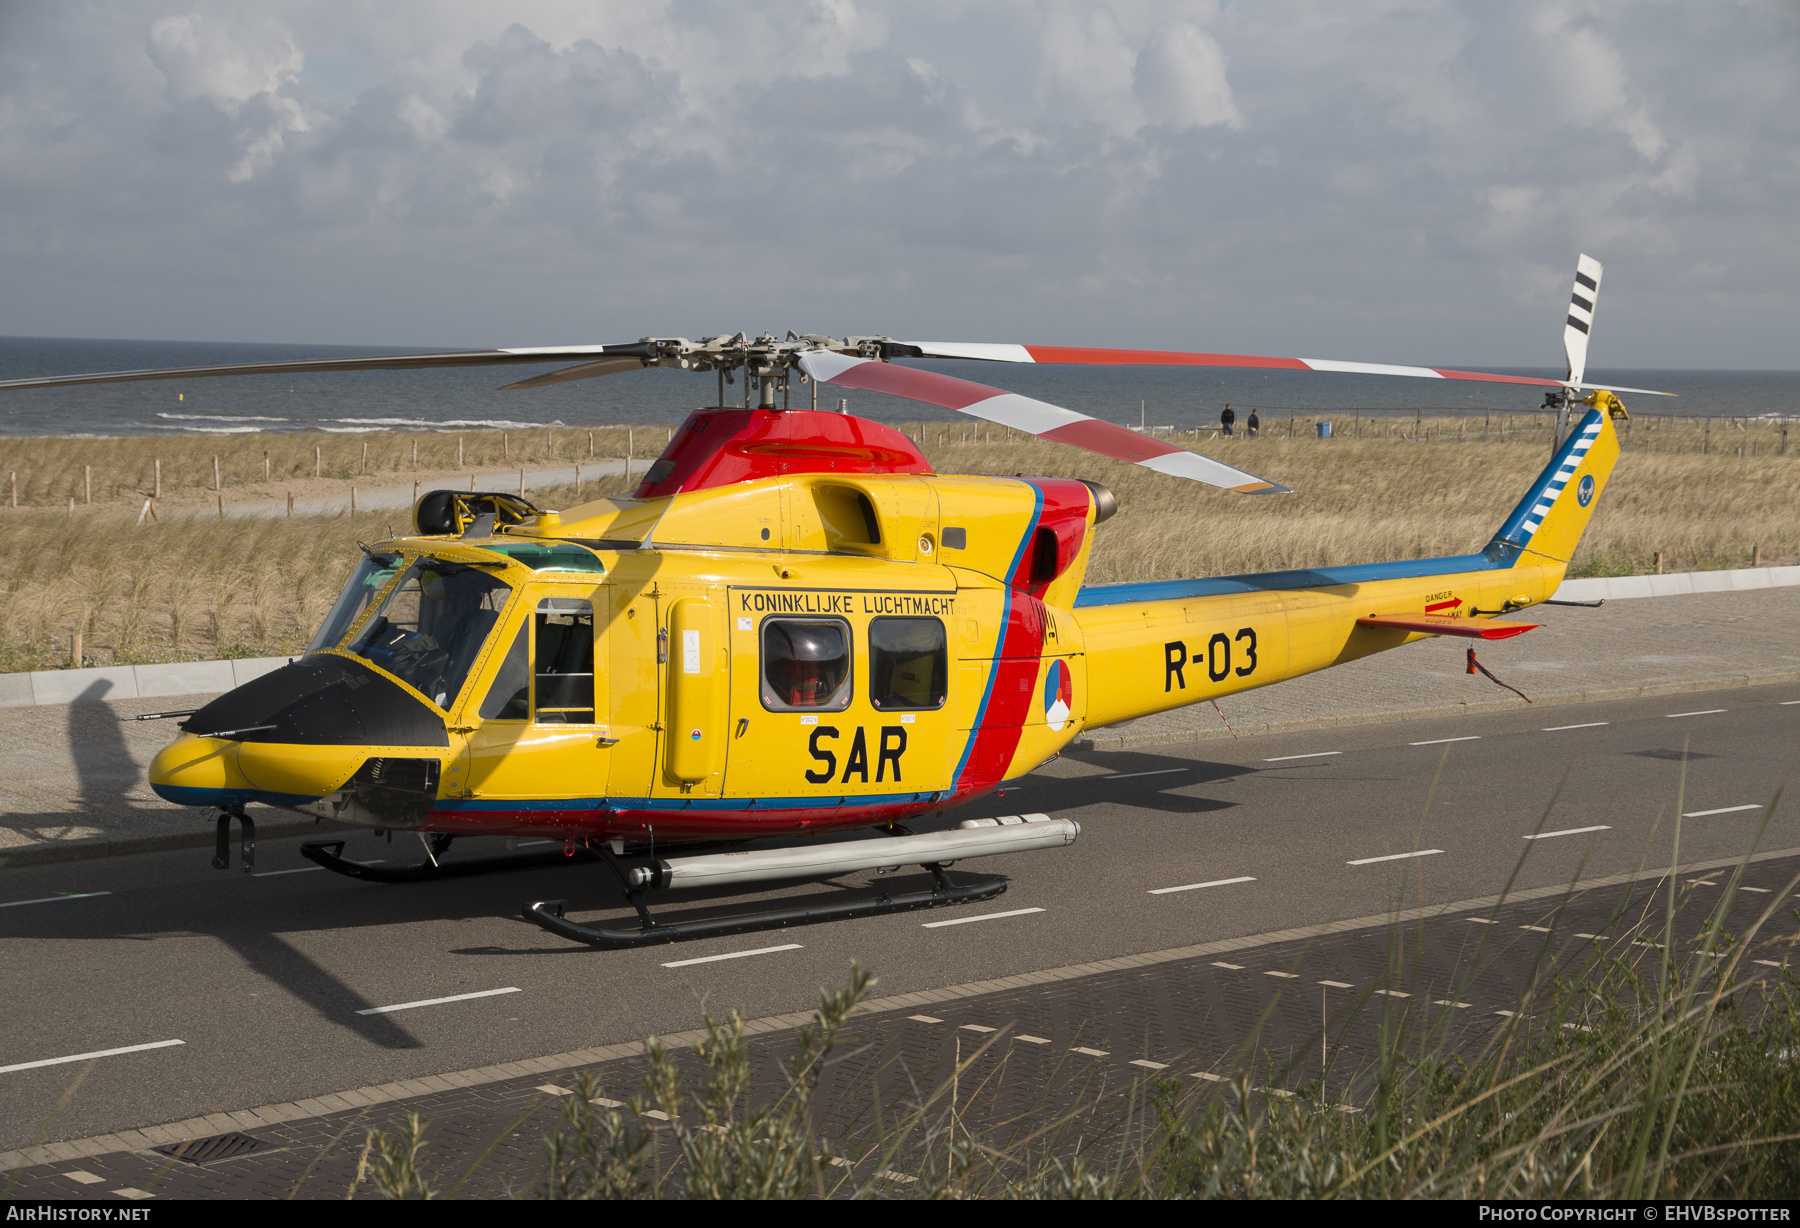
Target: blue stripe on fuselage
{"x": 1276, "y": 581}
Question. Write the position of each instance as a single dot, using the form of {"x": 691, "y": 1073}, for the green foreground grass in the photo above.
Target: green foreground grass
{"x": 1655, "y": 1069}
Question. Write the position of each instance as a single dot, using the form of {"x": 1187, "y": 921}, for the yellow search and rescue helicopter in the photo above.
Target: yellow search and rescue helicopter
{"x": 794, "y": 627}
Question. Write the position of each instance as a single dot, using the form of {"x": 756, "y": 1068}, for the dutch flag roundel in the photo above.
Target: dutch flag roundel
{"x": 1059, "y": 695}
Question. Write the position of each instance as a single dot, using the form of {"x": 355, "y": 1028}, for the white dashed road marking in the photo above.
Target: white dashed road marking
{"x": 992, "y": 916}
{"x": 461, "y": 997}
{"x": 1473, "y": 737}
{"x": 1567, "y": 831}
{"x": 1158, "y": 772}
{"x": 1701, "y": 814}
{"x": 82, "y": 1057}
{"x": 713, "y": 959}
{"x": 1589, "y": 725}
{"x": 1317, "y": 754}
{"x": 1704, "y": 712}
{"x": 51, "y": 899}
{"x": 1217, "y": 882}
{"x": 1369, "y": 861}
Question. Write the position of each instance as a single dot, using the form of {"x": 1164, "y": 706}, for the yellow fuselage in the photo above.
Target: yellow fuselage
{"x": 801, "y": 653}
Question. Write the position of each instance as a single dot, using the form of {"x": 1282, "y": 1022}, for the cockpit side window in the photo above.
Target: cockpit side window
{"x": 432, "y": 625}
{"x": 564, "y": 662}
{"x": 509, "y": 696}
{"x": 806, "y": 665}
{"x": 366, "y": 583}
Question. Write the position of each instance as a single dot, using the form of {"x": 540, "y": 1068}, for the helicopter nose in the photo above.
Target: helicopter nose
{"x": 295, "y": 736}
{"x": 195, "y": 771}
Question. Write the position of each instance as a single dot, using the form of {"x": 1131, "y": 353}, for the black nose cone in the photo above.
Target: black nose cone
{"x": 322, "y": 700}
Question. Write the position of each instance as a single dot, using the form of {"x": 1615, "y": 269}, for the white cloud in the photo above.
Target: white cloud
{"x": 1179, "y": 79}
{"x": 1321, "y": 175}
{"x": 233, "y": 64}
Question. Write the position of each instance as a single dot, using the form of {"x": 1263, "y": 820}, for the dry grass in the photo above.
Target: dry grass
{"x": 199, "y": 588}
{"x": 184, "y": 589}
{"x": 1375, "y": 498}
{"x": 49, "y": 471}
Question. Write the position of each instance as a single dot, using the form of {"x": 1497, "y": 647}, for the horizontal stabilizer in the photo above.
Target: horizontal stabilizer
{"x": 1430, "y": 624}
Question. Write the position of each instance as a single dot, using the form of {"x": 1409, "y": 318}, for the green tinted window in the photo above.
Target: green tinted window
{"x": 549, "y": 556}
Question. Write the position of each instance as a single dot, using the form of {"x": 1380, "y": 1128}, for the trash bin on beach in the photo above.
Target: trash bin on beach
{"x": 1324, "y": 430}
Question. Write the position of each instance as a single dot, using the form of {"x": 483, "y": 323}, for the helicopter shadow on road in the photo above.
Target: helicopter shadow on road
{"x": 604, "y": 897}
{"x": 1141, "y": 779}
{"x": 106, "y": 774}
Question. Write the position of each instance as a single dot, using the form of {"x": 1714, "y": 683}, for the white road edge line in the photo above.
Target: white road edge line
{"x": 461, "y": 997}
{"x": 1589, "y": 725}
{"x": 1473, "y": 737}
{"x": 1369, "y": 861}
{"x": 713, "y": 959}
{"x": 51, "y": 899}
{"x": 1704, "y": 712}
{"x": 1158, "y": 772}
{"x": 82, "y": 1057}
{"x": 1218, "y": 882}
{"x": 1317, "y": 754}
{"x": 990, "y": 916}
{"x": 1701, "y": 814}
{"x": 1568, "y": 831}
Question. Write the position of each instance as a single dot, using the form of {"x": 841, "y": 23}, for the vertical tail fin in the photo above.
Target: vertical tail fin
{"x": 1581, "y": 315}
{"x": 1552, "y": 516}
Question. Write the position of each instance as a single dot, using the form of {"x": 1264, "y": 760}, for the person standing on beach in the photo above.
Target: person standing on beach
{"x": 1226, "y": 419}
{"x": 1253, "y": 422}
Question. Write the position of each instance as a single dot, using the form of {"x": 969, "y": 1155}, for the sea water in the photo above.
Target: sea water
{"x": 468, "y": 398}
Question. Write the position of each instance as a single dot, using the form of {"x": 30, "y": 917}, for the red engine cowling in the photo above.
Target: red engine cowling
{"x": 717, "y": 447}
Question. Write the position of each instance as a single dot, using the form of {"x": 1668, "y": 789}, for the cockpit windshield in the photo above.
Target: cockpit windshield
{"x": 431, "y": 626}
{"x": 370, "y": 577}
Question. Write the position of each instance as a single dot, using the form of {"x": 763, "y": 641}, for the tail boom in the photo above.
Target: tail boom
{"x": 1155, "y": 646}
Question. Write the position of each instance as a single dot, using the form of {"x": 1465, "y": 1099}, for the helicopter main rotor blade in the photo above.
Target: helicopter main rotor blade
{"x": 635, "y": 352}
{"x": 1182, "y": 358}
{"x": 1039, "y": 418}
{"x": 587, "y": 370}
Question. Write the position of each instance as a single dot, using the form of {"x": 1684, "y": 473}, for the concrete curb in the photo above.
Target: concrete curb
{"x": 1618, "y": 588}
{"x": 62, "y": 686}
{"x": 1717, "y": 682}
{"x": 146, "y": 1137}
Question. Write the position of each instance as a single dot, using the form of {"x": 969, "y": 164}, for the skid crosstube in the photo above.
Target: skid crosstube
{"x": 328, "y": 853}
{"x": 549, "y": 914}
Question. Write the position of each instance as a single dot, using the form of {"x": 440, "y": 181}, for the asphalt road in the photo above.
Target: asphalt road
{"x": 262, "y": 979}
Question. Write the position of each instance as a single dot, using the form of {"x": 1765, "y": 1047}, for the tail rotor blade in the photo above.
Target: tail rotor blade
{"x": 1581, "y": 316}
{"x": 1033, "y": 417}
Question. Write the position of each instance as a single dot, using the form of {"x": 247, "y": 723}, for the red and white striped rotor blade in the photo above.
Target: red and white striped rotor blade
{"x": 1039, "y": 418}
{"x": 1183, "y": 358}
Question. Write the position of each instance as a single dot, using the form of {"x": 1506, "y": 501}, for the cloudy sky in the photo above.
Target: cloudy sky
{"x": 1388, "y": 180}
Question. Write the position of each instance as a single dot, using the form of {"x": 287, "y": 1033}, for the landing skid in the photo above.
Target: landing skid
{"x": 329, "y": 853}
{"x": 549, "y": 913}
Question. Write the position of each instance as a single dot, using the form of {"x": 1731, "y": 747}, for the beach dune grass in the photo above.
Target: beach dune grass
{"x": 193, "y": 586}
